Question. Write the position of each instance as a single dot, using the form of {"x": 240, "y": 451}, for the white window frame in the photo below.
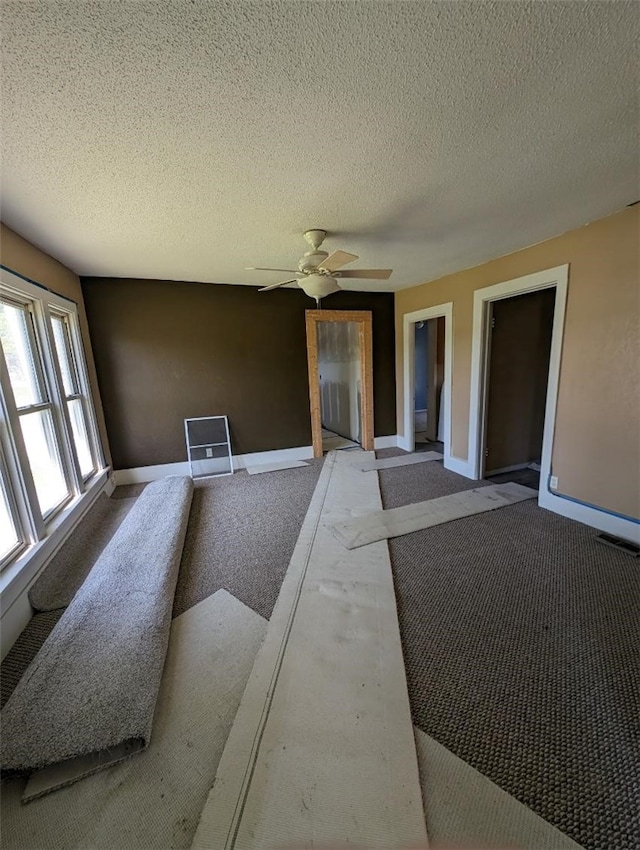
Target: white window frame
{"x": 42, "y": 534}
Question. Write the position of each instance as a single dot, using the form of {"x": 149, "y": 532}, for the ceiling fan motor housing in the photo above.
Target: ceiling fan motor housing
{"x": 311, "y": 260}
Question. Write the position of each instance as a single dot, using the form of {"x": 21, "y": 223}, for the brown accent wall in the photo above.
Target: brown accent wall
{"x": 518, "y": 378}
{"x": 20, "y": 256}
{"x": 596, "y": 451}
{"x": 166, "y": 351}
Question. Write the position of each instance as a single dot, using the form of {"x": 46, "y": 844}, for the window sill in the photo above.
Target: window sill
{"x": 19, "y": 575}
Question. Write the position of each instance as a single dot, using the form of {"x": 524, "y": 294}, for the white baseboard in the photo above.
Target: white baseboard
{"x": 277, "y": 456}
{"x": 598, "y": 518}
{"x": 143, "y": 474}
{"x": 110, "y": 486}
{"x": 390, "y": 442}
{"x": 14, "y": 620}
{"x": 457, "y": 464}
{"x": 405, "y": 444}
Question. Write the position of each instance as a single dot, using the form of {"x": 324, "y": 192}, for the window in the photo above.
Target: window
{"x": 72, "y": 393}
{"x": 49, "y": 449}
{"x": 11, "y": 539}
{"x": 33, "y": 405}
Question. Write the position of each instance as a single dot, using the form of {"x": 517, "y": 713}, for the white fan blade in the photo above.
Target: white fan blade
{"x": 260, "y": 269}
{"x": 338, "y": 259}
{"x": 370, "y": 274}
{"x": 276, "y": 285}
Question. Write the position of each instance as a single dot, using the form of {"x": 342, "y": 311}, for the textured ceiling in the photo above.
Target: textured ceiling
{"x": 187, "y": 140}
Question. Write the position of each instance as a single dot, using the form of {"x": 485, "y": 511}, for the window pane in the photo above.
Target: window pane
{"x": 19, "y": 355}
{"x": 61, "y": 338}
{"x": 8, "y": 535}
{"x": 40, "y": 442}
{"x": 81, "y": 436}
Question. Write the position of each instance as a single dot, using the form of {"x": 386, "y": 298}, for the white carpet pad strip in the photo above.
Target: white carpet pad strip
{"x": 401, "y": 460}
{"x": 154, "y": 800}
{"x": 259, "y": 468}
{"x": 330, "y": 444}
{"x": 322, "y": 753}
{"x": 467, "y": 811}
{"x": 381, "y": 525}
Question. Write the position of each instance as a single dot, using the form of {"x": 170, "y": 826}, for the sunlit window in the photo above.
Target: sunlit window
{"x": 33, "y": 405}
{"x": 10, "y": 539}
{"x": 49, "y": 450}
{"x": 72, "y": 392}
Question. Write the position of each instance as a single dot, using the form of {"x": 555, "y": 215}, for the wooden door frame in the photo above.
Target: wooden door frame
{"x": 364, "y": 320}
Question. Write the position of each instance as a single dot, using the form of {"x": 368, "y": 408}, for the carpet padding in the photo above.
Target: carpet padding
{"x": 61, "y": 579}
{"x": 396, "y": 522}
{"x": 94, "y": 683}
{"x": 521, "y": 638}
{"x": 153, "y": 802}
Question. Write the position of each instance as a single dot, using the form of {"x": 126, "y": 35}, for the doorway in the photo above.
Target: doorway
{"x": 556, "y": 280}
{"x": 519, "y": 331}
{"x": 428, "y": 370}
{"x": 440, "y": 397}
{"x": 339, "y": 354}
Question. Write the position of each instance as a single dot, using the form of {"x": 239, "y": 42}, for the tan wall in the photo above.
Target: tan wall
{"x": 21, "y": 256}
{"x": 596, "y": 452}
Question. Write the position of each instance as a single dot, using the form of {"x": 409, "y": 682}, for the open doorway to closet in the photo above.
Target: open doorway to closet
{"x": 519, "y": 331}
{"x": 428, "y": 384}
{"x": 339, "y": 353}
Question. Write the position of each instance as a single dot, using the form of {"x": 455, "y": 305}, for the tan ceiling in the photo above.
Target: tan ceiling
{"x": 187, "y": 140}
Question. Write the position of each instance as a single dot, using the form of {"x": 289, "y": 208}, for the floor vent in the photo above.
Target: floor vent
{"x": 619, "y": 543}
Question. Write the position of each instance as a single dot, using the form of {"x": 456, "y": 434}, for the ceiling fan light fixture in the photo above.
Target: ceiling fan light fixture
{"x": 318, "y": 285}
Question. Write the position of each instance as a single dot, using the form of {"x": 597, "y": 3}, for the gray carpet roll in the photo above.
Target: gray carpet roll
{"x": 64, "y": 574}
{"x": 93, "y": 686}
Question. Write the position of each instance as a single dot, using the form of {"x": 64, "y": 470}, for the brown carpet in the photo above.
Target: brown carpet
{"x": 522, "y": 637}
{"x": 520, "y": 633}
{"x": 241, "y": 535}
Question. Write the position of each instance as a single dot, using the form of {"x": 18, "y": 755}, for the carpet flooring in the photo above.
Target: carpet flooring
{"x": 61, "y": 579}
{"x": 153, "y": 801}
{"x": 521, "y": 637}
{"x": 241, "y": 534}
{"x": 520, "y": 634}
{"x": 24, "y": 650}
{"x": 89, "y": 695}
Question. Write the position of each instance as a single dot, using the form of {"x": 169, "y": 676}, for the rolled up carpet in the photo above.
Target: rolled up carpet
{"x": 87, "y": 699}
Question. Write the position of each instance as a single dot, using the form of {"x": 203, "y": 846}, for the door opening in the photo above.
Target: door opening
{"x": 519, "y": 331}
{"x": 339, "y": 370}
{"x": 428, "y": 370}
{"x": 339, "y": 352}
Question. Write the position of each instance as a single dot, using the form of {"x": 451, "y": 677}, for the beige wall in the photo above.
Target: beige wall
{"x": 21, "y": 256}
{"x": 596, "y": 451}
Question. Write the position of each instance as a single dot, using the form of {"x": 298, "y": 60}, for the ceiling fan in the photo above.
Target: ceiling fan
{"x": 319, "y": 273}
